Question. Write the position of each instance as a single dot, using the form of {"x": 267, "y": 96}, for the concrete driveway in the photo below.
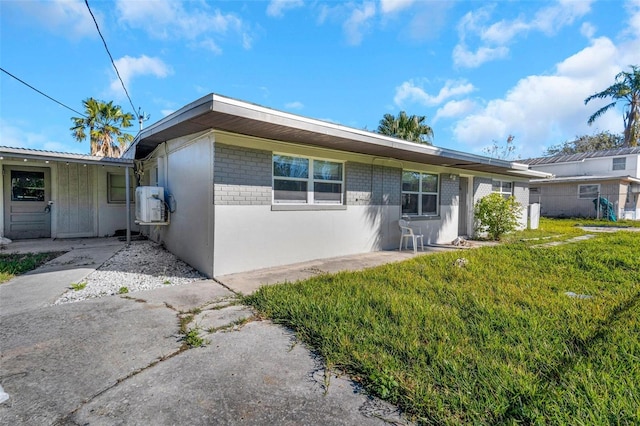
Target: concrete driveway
{"x": 121, "y": 360}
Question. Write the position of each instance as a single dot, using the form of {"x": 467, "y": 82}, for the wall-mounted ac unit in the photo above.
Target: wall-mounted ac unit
{"x": 150, "y": 208}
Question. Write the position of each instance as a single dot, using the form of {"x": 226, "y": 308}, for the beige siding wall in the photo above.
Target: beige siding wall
{"x": 75, "y": 201}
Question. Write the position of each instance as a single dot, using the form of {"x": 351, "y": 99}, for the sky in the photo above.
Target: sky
{"x": 479, "y": 71}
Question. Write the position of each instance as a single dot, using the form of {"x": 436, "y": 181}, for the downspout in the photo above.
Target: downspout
{"x": 128, "y": 203}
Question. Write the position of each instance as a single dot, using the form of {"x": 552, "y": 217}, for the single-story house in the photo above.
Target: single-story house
{"x": 579, "y": 179}
{"x": 59, "y": 195}
{"x": 247, "y": 187}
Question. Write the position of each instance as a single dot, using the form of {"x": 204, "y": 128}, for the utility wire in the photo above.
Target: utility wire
{"x": 110, "y": 57}
{"x": 43, "y": 94}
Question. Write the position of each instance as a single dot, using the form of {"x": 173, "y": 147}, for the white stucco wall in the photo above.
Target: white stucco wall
{"x": 601, "y": 166}
{"x": 185, "y": 170}
{"x": 225, "y": 222}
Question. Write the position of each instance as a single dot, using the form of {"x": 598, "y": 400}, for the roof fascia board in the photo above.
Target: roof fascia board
{"x": 241, "y": 109}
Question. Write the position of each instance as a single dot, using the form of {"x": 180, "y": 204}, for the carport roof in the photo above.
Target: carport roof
{"x": 222, "y": 113}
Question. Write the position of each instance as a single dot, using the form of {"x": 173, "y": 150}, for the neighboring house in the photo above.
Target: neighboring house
{"x": 249, "y": 187}
{"x": 578, "y": 179}
{"x": 57, "y": 195}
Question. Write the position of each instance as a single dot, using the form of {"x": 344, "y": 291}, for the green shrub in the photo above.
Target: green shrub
{"x": 496, "y": 215}
{"x": 123, "y": 290}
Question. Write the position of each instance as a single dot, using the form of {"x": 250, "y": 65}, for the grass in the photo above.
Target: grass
{"x": 496, "y": 341}
{"x": 12, "y": 264}
{"x": 78, "y": 286}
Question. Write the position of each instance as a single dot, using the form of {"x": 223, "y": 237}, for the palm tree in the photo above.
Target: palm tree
{"x": 410, "y": 128}
{"x": 104, "y": 122}
{"x": 626, "y": 88}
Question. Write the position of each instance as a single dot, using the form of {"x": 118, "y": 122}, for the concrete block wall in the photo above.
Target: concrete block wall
{"x": 387, "y": 185}
{"x": 481, "y": 188}
{"x": 242, "y": 176}
{"x": 359, "y": 184}
{"x": 449, "y": 190}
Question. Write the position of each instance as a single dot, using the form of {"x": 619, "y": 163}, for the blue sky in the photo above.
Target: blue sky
{"x": 479, "y": 71}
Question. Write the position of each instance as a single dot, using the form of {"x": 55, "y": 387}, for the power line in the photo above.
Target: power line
{"x": 110, "y": 57}
{"x": 42, "y": 93}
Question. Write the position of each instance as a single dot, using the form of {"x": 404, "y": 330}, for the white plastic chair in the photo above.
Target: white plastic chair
{"x": 407, "y": 233}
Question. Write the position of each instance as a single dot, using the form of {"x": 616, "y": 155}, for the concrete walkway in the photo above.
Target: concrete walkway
{"x": 122, "y": 359}
{"x": 247, "y": 282}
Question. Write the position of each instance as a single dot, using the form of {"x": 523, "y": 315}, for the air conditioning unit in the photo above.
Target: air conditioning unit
{"x": 150, "y": 206}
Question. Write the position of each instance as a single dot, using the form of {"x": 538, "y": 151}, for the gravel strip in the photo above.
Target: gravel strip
{"x": 144, "y": 265}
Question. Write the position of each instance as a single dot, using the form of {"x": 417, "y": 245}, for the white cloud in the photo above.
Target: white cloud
{"x": 587, "y": 29}
{"x": 493, "y": 39}
{"x": 166, "y": 19}
{"x": 542, "y": 108}
{"x": 211, "y": 45}
{"x": 294, "y": 105}
{"x": 633, "y": 8}
{"x": 410, "y": 92}
{"x": 21, "y": 135}
{"x": 69, "y": 18}
{"x": 276, "y": 8}
{"x": 455, "y": 109}
{"x": 166, "y": 112}
{"x": 129, "y": 68}
{"x": 358, "y": 23}
{"x": 392, "y": 6}
{"x": 464, "y": 57}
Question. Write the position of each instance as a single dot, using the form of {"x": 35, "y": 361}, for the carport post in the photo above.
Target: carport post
{"x": 128, "y": 203}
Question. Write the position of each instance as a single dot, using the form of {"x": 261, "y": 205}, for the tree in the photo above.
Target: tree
{"x": 505, "y": 152}
{"x": 407, "y": 127}
{"x": 627, "y": 89}
{"x": 496, "y": 215}
{"x": 587, "y": 143}
{"x": 104, "y": 122}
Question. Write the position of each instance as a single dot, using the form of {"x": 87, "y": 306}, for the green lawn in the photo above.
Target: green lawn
{"x": 494, "y": 342}
{"x": 12, "y": 264}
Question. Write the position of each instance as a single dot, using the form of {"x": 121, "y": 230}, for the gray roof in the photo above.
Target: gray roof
{"x": 586, "y": 178}
{"x": 221, "y": 113}
{"x": 568, "y": 158}
{"x": 36, "y": 154}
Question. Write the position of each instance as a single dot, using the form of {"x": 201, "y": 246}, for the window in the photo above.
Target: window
{"x": 302, "y": 180}
{"x": 27, "y": 186}
{"x": 534, "y": 190}
{"x": 619, "y": 163}
{"x": 502, "y": 187}
{"x": 116, "y": 188}
{"x": 588, "y": 191}
{"x": 419, "y": 193}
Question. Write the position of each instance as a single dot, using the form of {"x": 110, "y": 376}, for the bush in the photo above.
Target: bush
{"x": 496, "y": 215}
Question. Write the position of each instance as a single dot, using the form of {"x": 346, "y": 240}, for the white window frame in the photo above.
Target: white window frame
{"x": 110, "y": 187}
{"x": 616, "y": 163}
{"x": 420, "y": 193}
{"x": 310, "y": 180}
{"x": 502, "y": 184}
{"x": 580, "y": 194}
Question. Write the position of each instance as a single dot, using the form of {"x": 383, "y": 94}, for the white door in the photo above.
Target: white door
{"x": 27, "y": 191}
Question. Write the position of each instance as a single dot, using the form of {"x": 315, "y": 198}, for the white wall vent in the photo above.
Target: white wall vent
{"x": 150, "y": 207}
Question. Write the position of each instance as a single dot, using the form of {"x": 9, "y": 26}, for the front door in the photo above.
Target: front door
{"x": 462, "y": 206}
{"x": 27, "y": 191}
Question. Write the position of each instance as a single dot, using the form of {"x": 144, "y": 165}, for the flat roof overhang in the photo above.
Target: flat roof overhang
{"x": 222, "y": 113}
{"x": 25, "y": 154}
{"x": 574, "y": 179}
